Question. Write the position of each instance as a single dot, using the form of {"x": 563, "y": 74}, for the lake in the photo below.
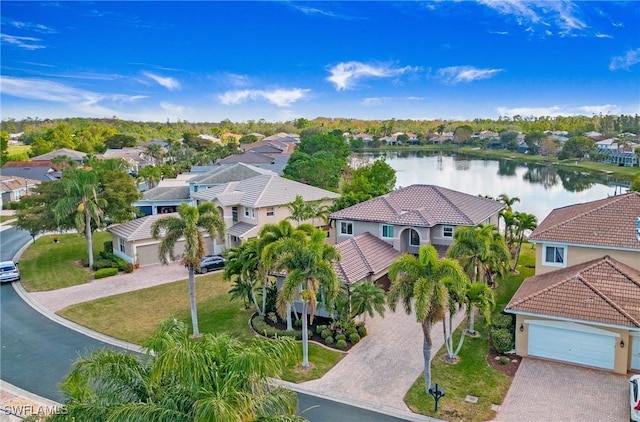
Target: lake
{"x": 540, "y": 188}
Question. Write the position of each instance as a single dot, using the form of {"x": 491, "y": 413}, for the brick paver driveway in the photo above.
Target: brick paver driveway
{"x": 556, "y": 392}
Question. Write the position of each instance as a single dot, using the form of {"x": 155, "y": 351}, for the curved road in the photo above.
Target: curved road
{"x": 36, "y": 353}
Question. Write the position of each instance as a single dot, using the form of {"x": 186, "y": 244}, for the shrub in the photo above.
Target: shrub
{"x": 105, "y": 272}
{"x": 297, "y": 323}
{"x": 341, "y": 344}
{"x": 108, "y": 246}
{"x": 354, "y": 338}
{"x": 320, "y": 328}
{"x": 351, "y": 330}
{"x": 107, "y": 255}
{"x": 326, "y": 333}
{"x": 120, "y": 263}
{"x": 85, "y": 262}
{"x": 341, "y": 337}
{"x": 503, "y": 360}
{"x": 128, "y": 267}
{"x": 503, "y": 321}
{"x": 99, "y": 264}
{"x": 362, "y": 331}
{"x": 328, "y": 340}
{"x": 502, "y": 340}
{"x": 272, "y": 317}
{"x": 295, "y": 334}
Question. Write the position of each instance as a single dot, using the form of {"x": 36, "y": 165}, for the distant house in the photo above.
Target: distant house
{"x": 13, "y": 188}
{"x": 593, "y": 135}
{"x": 38, "y": 170}
{"x": 135, "y": 158}
{"x": 583, "y": 304}
{"x": 76, "y": 156}
{"x": 247, "y": 157}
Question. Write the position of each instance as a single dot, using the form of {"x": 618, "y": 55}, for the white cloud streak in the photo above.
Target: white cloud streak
{"x": 28, "y": 43}
{"x": 278, "y": 97}
{"x": 556, "y": 110}
{"x": 169, "y": 83}
{"x": 345, "y": 75}
{"x": 458, "y": 74}
{"x": 625, "y": 62}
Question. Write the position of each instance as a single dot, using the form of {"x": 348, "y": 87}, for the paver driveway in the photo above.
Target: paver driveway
{"x": 555, "y": 392}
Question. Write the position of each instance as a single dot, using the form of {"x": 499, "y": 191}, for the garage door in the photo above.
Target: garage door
{"x": 635, "y": 352}
{"x": 573, "y": 343}
{"x": 147, "y": 254}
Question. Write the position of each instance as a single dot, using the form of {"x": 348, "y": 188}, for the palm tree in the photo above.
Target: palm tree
{"x": 243, "y": 263}
{"x": 269, "y": 237}
{"x": 308, "y": 262}
{"x": 215, "y": 379}
{"x": 420, "y": 282}
{"x": 151, "y": 175}
{"x": 187, "y": 225}
{"x": 299, "y": 210}
{"x": 507, "y": 215}
{"x": 524, "y": 222}
{"x": 79, "y": 188}
{"x": 317, "y": 209}
{"x": 367, "y": 298}
{"x": 156, "y": 152}
{"x": 478, "y": 297}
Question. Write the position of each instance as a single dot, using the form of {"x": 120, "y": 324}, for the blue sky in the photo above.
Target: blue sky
{"x": 207, "y": 61}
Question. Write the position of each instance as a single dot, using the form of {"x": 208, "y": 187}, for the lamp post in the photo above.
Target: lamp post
{"x": 437, "y": 393}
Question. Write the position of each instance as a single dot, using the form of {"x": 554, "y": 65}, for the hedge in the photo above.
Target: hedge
{"x": 105, "y": 272}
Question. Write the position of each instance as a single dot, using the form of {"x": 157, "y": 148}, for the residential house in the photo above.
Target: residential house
{"x": 414, "y": 216}
{"x": 14, "y": 138}
{"x": 43, "y": 171}
{"x": 76, "y": 156}
{"x": 583, "y": 304}
{"x": 593, "y": 135}
{"x": 13, "y": 188}
{"x": 247, "y": 157}
{"x": 135, "y": 158}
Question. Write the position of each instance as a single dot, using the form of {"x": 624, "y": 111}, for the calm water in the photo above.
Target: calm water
{"x": 540, "y": 188}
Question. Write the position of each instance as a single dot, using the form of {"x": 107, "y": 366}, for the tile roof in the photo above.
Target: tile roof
{"x": 11, "y": 183}
{"x": 263, "y": 191}
{"x": 602, "y": 290}
{"x": 247, "y": 157}
{"x": 229, "y": 173}
{"x": 139, "y": 228}
{"x": 422, "y": 205}
{"x": 609, "y": 223}
{"x": 363, "y": 255}
{"x": 242, "y": 229}
{"x": 73, "y": 154}
{"x": 38, "y": 170}
{"x": 167, "y": 193}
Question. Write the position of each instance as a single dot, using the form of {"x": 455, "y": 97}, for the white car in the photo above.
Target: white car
{"x": 634, "y": 397}
{"x": 9, "y": 271}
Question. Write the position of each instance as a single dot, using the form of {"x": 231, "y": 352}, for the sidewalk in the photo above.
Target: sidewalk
{"x": 16, "y": 404}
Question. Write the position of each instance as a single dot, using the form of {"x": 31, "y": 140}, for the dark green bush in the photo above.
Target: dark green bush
{"x": 108, "y": 246}
{"x": 120, "y": 263}
{"x": 99, "y": 264}
{"x": 107, "y": 255}
{"x": 351, "y": 330}
{"x": 341, "y": 344}
{"x": 326, "y": 333}
{"x": 128, "y": 267}
{"x": 297, "y": 323}
{"x": 328, "y": 340}
{"x": 105, "y": 272}
{"x": 354, "y": 338}
{"x": 503, "y": 321}
{"x": 502, "y": 340}
{"x": 341, "y": 337}
{"x": 320, "y": 328}
{"x": 295, "y": 334}
{"x": 85, "y": 262}
{"x": 362, "y": 331}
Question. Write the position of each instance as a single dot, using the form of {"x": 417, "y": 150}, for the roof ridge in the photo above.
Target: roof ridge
{"x": 609, "y": 301}
{"x": 362, "y": 256}
{"x": 264, "y": 188}
{"x": 439, "y": 189}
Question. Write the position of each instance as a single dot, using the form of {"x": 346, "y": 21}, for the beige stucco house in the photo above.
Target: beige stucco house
{"x": 583, "y": 304}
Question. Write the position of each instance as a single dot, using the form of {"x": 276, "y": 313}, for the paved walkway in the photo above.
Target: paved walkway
{"x": 557, "y": 392}
{"x": 384, "y": 365}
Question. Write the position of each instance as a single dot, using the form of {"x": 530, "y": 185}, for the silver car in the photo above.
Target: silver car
{"x": 634, "y": 397}
{"x": 9, "y": 271}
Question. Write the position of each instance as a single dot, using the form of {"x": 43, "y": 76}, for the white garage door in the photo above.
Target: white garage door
{"x": 147, "y": 254}
{"x": 635, "y": 352}
{"x": 573, "y": 343}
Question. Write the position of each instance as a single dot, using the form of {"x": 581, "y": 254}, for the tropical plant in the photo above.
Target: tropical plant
{"x": 156, "y": 152}
{"x": 242, "y": 267}
{"x": 299, "y": 210}
{"x": 187, "y": 225}
{"x": 524, "y": 222}
{"x": 79, "y": 189}
{"x": 308, "y": 262}
{"x": 216, "y": 378}
{"x": 367, "y": 298}
{"x": 420, "y": 282}
{"x": 151, "y": 175}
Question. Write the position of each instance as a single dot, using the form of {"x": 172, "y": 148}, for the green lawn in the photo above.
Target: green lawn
{"x": 17, "y": 149}
{"x": 4, "y": 218}
{"x": 134, "y": 316}
{"x": 47, "y": 265}
{"x": 472, "y": 375}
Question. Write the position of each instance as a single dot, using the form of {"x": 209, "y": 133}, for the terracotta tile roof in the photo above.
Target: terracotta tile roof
{"x": 363, "y": 255}
{"x": 602, "y": 290}
{"x": 609, "y": 223}
{"x": 422, "y": 205}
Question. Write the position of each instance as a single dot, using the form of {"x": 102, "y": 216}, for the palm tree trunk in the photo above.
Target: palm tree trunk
{"x": 192, "y": 301}
{"x": 426, "y": 354}
{"x": 255, "y": 300}
{"x": 264, "y": 298}
{"x": 87, "y": 235}
{"x": 472, "y": 319}
{"x": 289, "y": 326}
{"x": 305, "y": 337}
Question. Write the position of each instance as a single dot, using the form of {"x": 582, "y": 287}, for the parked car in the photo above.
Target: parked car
{"x": 9, "y": 271}
{"x": 634, "y": 397}
{"x": 211, "y": 262}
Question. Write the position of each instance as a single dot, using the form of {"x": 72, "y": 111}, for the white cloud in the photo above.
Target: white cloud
{"x": 278, "y": 97}
{"x": 500, "y": 32}
{"x": 373, "y": 101}
{"x": 237, "y": 80}
{"x": 601, "y": 35}
{"x": 601, "y": 109}
{"x": 345, "y": 75}
{"x": 173, "y": 109}
{"x": 28, "y": 43}
{"x": 625, "y": 62}
{"x": 169, "y": 83}
{"x": 556, "y": 110}
{"x": 32, "y": 26}
{"x": 457, "y": 74}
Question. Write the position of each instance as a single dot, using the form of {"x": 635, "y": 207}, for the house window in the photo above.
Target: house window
{"x": 346, "y": 228}
{"x": 270, "y": 211}
{"x": 122, "y": 245}
{"x": 414, "y": 238}
{"x": 234, "y": 214}
{"x": 387, "y": 231}
{"x": 447, "y": 231}
{"x": 555, "y": 255}
{"x": 249, "y": 212}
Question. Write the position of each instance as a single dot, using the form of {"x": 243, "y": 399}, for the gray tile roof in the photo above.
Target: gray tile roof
{"x": 137, "y": 229}
{"x": 229, "y": 173}
{"x": 363, "y": 255}
{"x": 167, "y": 193}
{"x": 247, "y": 157}
{"x": 263, "y": 191}
{"x": 602, "y": 290}
{"x": 73, "y": 154}
{"x": 608, "y": 223}
{"x": 38, "y": 170}
{"x": 242, "y": 229}
{"x": 422, "y": 205}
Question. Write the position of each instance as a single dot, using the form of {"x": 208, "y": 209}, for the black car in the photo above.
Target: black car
{"x": 211, "y": 262}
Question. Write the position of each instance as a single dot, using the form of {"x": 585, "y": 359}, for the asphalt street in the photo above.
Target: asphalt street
{"x": 36, "y": 353}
